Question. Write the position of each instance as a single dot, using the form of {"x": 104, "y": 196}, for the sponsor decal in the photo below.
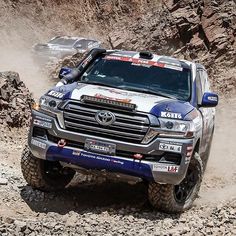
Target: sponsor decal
{"x": 55, "y": 94}
{"x": 142, "y": 62}
{"x": 122, "y": 55}
{"x": 213, "y": 99}
{"x": 168, "y": 66}
{"x": 101, "y": 158}
{"x": 42, "y": 123}
{"x": 165, "y": 168}
{"x": 126, "y": 93}
{"x": 170, "y": 147}
{"x": 76, "y": 153}
{"x": 38, "y": 143}
{"x": 125, "y": 100}
{"x": 136, "y": 61}
{"x": 117, "y": 162}
{"x": 43, "y": 118}
{"x": 86, "y": 61}
{"x": 173, "y": 169}
{"x": 166, "y": 114}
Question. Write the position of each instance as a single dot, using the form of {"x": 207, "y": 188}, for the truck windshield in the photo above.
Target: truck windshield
{"x": 140, "y": 77}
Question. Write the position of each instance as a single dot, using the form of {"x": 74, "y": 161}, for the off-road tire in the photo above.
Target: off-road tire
{"x": 162, "y": 196}
{"x": 33, "y": 170}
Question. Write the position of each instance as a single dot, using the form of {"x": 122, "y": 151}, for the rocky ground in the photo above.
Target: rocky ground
{"x": 110, "y": 208}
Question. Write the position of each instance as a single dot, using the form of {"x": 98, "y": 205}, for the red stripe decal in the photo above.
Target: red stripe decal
{"x": 136, "y": 61}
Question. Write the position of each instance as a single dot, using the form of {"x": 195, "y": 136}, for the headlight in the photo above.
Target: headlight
{"x": 170, "y": 128}
{"x": 47, "y": 104}
{"x": 176, "y": 128}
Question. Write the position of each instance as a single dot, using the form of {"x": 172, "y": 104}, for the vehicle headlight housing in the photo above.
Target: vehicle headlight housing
{"x": 176, "y": 128}
{"x": 170, "y": 128}
{"x": 47, "y": 103}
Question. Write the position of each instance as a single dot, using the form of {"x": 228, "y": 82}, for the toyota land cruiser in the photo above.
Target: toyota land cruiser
{"x": 129, "y": 115}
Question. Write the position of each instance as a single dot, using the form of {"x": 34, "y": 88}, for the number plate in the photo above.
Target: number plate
{"x": 170, "y": 147}
{"x": 100, "y": 147}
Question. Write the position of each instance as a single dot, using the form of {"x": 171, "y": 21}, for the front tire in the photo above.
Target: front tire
{"x": 44, "y": 175}
{"x": 178, "y": 198}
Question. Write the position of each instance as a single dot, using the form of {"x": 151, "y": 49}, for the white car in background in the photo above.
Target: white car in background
{"x": 62, "y": 46}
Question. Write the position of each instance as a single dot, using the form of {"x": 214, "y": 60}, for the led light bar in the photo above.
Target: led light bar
{"x": 108, "y": 102}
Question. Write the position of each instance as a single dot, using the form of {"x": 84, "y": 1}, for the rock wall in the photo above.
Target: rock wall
{"x": 199, "y": 30}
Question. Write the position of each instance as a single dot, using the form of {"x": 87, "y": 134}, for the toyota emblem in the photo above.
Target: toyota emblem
{"x": 105, "y": 118}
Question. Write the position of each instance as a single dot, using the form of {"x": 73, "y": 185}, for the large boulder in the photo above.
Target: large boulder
{"x": 15, "y": 101}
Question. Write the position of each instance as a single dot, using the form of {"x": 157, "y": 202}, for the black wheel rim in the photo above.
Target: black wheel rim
{"x": 183, "y": 191}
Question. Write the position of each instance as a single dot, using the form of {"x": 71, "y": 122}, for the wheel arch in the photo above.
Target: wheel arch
{"x": 197, "y": 146}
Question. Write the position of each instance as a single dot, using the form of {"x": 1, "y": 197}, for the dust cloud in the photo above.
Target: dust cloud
{"x": 219, "y": 182}
{"x": 19, "y": 59}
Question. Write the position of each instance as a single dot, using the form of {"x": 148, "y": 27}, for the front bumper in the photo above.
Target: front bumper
{"x": 152, "y": 170}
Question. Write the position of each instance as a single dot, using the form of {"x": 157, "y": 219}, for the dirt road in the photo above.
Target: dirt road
{"x": 116, "y": 208}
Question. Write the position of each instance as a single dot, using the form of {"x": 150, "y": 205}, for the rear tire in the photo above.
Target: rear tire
{"x": 178, "y": 198}
{"x": 44, "y": 175}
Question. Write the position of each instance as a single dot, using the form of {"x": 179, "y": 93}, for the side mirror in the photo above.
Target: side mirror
{"x": 64, "y": 71}
{"x": 209, "y": 100}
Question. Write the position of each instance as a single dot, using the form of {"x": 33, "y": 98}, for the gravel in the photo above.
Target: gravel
{"x": 105, "y": 221}
{"x": 106, "y": 208}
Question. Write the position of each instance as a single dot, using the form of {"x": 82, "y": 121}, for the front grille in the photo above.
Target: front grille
{"x": 128, "y": 126}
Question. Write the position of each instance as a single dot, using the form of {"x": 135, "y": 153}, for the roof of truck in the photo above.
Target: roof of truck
{"x": 155, "y": 58}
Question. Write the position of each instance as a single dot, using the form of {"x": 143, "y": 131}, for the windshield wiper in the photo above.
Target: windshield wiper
{"x": 148, "y": 91}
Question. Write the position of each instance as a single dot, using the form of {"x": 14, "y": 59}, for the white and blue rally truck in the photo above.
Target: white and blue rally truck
{"x": 129, "y": 115}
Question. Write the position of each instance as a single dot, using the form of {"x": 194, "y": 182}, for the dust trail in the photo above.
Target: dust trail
{"x": 19, "y": 59}
{"x": 220, "y": 178}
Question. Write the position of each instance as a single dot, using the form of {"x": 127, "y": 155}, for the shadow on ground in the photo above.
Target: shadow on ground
{"x": 84, "y": 197}
{"x": 117, "y": 198}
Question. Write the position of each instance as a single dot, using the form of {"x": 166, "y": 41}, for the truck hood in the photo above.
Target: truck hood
{"x": 144, "y": 102}
{"x": 156, "y": 105}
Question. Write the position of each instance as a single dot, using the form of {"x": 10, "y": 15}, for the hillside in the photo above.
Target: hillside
{"x": 199, "y": 30}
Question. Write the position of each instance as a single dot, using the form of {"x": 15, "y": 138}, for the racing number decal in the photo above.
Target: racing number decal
{"x": 170, "y": 147}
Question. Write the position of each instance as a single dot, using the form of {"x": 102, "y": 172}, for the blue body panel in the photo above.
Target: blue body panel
{"x": 172, "y": 106}
{"x": 90, "y": 160}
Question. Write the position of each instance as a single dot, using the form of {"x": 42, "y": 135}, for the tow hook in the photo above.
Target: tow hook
{"x": 138, "y": 156}
{"x": 61, "y": 143}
